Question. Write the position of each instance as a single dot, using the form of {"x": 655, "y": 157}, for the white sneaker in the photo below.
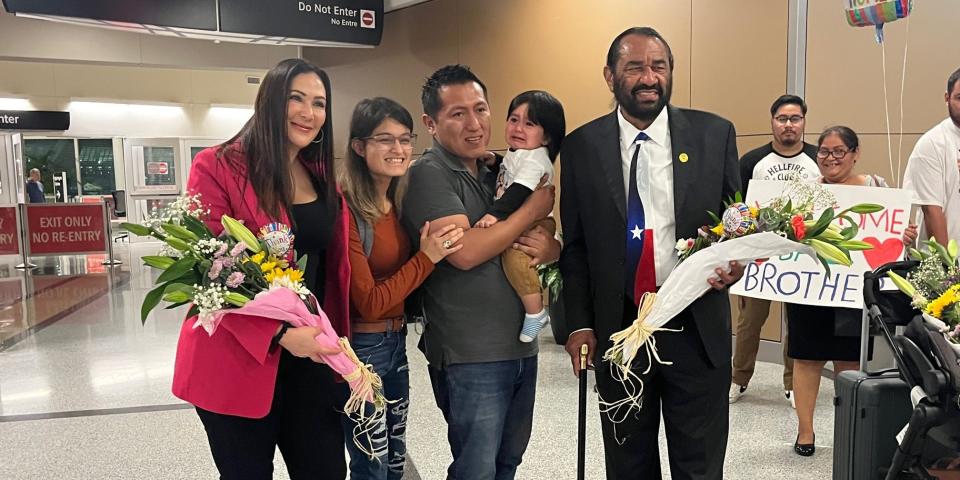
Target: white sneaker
{"x": 736, "y": 391}
{"x": 790, "y": 398}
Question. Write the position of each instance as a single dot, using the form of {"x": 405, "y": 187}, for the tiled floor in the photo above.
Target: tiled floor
{"x": 87, "y": 396}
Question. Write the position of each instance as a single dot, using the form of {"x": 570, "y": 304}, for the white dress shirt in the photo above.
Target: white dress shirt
{"x": 655, "y": 185}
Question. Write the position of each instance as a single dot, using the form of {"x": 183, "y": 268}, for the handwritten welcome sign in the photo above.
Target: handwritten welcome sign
{"x": 798, "y": 278}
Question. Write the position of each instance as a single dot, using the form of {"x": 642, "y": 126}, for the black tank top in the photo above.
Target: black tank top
{"x": 313, "y": 231}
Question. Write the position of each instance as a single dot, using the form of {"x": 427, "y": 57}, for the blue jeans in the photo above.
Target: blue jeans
{"x": 489, "y": 412}
{"x": 387, "y": 353}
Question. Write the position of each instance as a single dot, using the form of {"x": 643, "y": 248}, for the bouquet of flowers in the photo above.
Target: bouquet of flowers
{"x": 803, "y": 219}
{"x": 934, "y": 286}
{"x": 240, "y": 273}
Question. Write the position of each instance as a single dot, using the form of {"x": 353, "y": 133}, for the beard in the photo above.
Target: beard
{"x": 954, "y": 114}
{"x": 789, "y": 141}
{"x": 646, "y": 112}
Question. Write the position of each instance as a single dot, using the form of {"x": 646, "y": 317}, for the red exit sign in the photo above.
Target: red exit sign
{"x": 9, "y": 236}
{"x": 65, "y": 228}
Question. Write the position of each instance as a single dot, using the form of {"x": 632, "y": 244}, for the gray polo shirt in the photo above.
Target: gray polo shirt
{"x": 472, "y": 316}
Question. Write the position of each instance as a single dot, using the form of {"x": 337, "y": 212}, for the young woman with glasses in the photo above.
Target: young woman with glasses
{"x": 385, "y": 271}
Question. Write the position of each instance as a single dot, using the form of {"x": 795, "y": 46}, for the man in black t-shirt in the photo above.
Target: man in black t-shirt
{"x": 783, "y": 158}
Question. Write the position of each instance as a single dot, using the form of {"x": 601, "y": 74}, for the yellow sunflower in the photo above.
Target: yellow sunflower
{"x": 939, "y": 304}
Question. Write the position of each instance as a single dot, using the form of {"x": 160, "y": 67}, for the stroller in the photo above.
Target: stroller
{"x": 929, "y": 365}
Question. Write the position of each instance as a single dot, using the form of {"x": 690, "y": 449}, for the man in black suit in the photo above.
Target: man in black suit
{"x": 662, "y": 168}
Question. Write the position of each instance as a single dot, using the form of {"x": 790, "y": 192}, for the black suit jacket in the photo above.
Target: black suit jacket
{"x": 593, "y": 215}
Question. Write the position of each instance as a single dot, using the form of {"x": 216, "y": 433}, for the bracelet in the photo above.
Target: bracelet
{"x": 279, "y": 335}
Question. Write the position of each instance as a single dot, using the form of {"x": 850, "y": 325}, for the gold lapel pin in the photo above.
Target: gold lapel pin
{"x": 684, "y": 158}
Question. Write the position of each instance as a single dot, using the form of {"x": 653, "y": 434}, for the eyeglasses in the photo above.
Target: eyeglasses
{"x": 838, "y": 154}
{"x": 783, "y": 119}
{"x": 386, "y": 141}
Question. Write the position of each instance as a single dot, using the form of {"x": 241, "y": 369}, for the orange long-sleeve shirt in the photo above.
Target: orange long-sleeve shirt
{"x": 379, "y": 284}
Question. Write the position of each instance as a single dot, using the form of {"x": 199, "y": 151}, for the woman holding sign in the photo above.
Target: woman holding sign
{"x": 828, "y": 334}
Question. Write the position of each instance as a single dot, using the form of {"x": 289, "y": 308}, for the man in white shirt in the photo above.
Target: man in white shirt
{"x": 933, "y": 172}
{"x": 633, "y": 182}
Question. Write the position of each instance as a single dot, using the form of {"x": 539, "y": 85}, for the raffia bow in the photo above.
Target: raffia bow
{"x": 355, "y": 407}
{"x": 627, "y": 344}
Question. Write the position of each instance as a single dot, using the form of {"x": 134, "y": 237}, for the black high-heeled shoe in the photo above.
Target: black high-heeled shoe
{"x": 805, "y": 449}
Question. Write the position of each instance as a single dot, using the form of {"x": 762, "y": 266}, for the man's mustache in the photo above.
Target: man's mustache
{"x": 640, "y": 88}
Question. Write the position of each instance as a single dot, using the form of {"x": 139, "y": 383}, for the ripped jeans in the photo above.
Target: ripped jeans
{"x": 387, "y": 353}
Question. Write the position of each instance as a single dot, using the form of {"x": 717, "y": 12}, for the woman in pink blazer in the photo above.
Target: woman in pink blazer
{"x": 257, "y": 384}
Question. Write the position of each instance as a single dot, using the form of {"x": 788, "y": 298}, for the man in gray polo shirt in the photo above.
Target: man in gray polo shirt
{"x": 484, "y": 379}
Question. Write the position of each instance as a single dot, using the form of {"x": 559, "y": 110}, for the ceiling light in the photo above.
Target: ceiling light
{"x": 13, "y": 103}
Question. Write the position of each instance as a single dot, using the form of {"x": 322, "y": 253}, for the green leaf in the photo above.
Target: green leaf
{"x": 176, "y": 286}
{"x": 196, "y": 226}
{"x": 150, "y": 301}
{"x": 714, "y": 217}
{"x": 826, "y": 264}
{"x": 849, "y": 232}
{"x": 158, "y": 261}
{"x": 952, "y": 249}
{"x": 302, "y": 263}
{"x": 253, "y": 274}
{"x": 193, "y": 311}
{"x": 789, "y": 207}
{"x": 180, "y": 232}
{"x": 945, "y": 256}
{"x": 916, "y": 254}
{"x": 192, "y": 277}
{"x": 822, "y": 223}
{"x": 176, "y": 305}
{"x": 178, "y": 269}
{"x": 136, "y": 229}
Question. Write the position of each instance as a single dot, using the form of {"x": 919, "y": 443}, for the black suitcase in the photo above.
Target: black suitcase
{"x": 870, "y": 409}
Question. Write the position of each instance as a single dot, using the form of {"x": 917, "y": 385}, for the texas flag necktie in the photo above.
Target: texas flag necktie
{"x": 641, "y": 276}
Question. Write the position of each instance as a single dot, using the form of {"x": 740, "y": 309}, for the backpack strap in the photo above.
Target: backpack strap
{"x": 366, "y": 231}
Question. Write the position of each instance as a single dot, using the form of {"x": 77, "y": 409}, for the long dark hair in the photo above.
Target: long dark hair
{"x": 263, "y": 140}
{"x": 355, "y": 178}
{"x": 544, "y": 110}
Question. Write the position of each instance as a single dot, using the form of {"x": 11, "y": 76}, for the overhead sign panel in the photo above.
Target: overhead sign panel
{"x": 34, "y": 120}
{"x": 351, "y": 23}
{"x": 348, "y": 21}
{"x": 197, "y": 14}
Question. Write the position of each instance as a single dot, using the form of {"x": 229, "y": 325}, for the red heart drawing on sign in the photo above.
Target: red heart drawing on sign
{"x": 882, "y": 253}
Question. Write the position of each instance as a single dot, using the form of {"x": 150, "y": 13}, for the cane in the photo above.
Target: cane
{"x": 582, "y": 414}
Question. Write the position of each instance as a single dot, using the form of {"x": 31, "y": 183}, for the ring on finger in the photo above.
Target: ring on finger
{"x": 447, "y": 244}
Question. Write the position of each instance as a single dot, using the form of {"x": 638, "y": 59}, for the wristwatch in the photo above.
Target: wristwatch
{"x": 275, "y": 342}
